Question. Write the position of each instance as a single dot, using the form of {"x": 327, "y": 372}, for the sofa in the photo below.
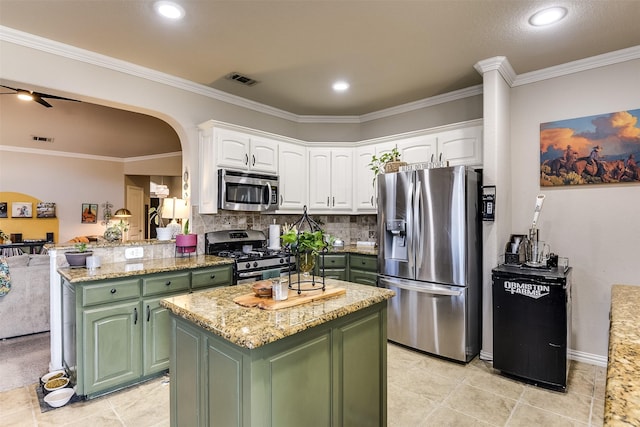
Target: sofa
{"x": 25, "y": 308}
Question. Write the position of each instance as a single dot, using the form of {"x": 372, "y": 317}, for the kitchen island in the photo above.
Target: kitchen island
{"x": 622, "y": 398}
{"x": 320, "y": 363}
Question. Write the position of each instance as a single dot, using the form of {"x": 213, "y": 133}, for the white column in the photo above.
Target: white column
{"x": 55, "y": 312}
{"x": 497, "y": 79}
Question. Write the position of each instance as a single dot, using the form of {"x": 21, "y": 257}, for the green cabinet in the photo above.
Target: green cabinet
{"x": 363, "y": 269}
{"x": 333, "y": 374}
{"x": 115, "y": 333}
{"x": 335, "y": 266}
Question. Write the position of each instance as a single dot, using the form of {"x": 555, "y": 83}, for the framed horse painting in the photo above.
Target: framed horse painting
{"x": 599, "y": 149}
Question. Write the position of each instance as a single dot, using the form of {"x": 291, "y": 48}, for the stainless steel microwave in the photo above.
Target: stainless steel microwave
{"x": 244, "y": 191}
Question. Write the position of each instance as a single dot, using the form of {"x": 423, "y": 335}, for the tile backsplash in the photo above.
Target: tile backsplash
{"x": 349, "y": 228}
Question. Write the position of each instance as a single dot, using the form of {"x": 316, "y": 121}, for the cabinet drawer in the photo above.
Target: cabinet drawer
{"x": 364, "y": 262}
{"x": 117, "y": 290}
{"x": 333, "y": 261}
{"x": 209, "y": 277}
{"x": 165, "y": 283}
{"x": 363, "y": 277}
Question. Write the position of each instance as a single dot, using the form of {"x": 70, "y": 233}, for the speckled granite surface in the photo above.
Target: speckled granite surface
{"x": 216, "y": 312}
{"x": 137, "y": 267}
{"x": 622, "y": 398}
{"x": 353, "y": 249}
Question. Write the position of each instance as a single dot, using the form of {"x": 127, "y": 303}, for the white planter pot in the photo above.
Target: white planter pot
{"x": 163, "y": 233}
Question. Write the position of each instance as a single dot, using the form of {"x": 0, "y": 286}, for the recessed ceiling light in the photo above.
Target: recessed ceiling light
{"x": 24, "y": 95}
{"x": 340, "y": 86}
{"x": 547, "y": 16}
{"x": 169, "y": 9}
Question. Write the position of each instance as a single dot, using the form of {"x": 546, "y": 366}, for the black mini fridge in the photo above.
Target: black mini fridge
{"x": 532, "y": 324}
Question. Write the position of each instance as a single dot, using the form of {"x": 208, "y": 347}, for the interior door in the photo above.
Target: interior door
{"x": 135, "y": 204}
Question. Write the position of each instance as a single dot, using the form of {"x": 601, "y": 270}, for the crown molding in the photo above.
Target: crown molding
{"x": 55, "y": 153}
{"x": 497, "y": 63}
{"x": 50, "y": 46}
{"x": 152, "y": 157}
{"x": 585, "y": 64}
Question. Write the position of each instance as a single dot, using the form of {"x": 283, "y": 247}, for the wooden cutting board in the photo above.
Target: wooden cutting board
{"x": 251, "y": 300}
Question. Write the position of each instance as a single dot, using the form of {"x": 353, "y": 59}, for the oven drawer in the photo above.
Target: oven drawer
{"x": 209, "y": 277}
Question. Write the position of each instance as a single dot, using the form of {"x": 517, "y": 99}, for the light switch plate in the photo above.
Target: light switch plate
{"x": 132, "y": 253}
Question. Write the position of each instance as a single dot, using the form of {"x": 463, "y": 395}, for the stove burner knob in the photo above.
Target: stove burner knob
{"x": 248, "y": 265}
{"x": 281, "y": 260}
{"x": 255, "y": 264}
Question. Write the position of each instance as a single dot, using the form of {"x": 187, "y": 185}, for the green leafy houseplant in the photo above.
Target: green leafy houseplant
{"x": 185, "y": 227}
{"x": 377, "y": 164}
{"x": 305, "y": 241}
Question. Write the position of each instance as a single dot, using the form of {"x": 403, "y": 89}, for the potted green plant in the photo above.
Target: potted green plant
{"x": 387, "y": 162}
{"x": 78, "y": 257}
{"x": 306, "y": 244}
{"x": 186, "y": 243}
{"x": 3, "y": 236}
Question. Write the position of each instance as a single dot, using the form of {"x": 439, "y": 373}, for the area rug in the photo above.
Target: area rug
{"x": 24, "y": 360}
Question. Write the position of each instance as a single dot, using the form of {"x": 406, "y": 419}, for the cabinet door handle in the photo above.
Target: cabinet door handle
{"x": 113, "y": 291}
{"x": 246, "y": 159}
{"x": 168, "y": 283}
{"x": 213, "y": 276}
{"x": 135, "y": 316}
{"x": 253, "y": 157}
{"x": 371, "y": 200}
{"x": 148, "y": 312}
{"x": 281, "y": 200}
{"x": 334, "y": 201}
{"x": 328, "y": 201}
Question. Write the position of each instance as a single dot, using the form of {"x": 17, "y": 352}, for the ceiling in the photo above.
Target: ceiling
{"x": 392, "y": 52}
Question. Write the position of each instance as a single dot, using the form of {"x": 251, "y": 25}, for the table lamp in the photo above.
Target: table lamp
{"x": 174, "y": 208}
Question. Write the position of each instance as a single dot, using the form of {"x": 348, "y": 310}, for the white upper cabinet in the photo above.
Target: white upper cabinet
{"x": 461, "y": 146}
{"x": 242, "y": 151}
{"x": 330, "y": 179}
{"x": 364, "y": 190}
{"x": 293, "y": 177}
{"x": 208, "y": 184}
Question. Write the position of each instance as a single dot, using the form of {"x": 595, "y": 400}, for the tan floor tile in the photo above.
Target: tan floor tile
{"x": 597, "y": 412}
{"x": 102, "y": 418}
{"x": 76, "y": 411}
{"x": 447, "y": 417}
{"x": 527, "y": 416}
{"x": 581, "y": 381}
{"x": 16, "y": 400}
{"x": 21, "y": 418}
{"x": 481, "y": 404}
{"x": 571, "y": 405}
{"x": 444, "y": 368}
{"x": 406, "y": 408}
{"x": 425, "y": 382}
{"x": 496, "y": 384}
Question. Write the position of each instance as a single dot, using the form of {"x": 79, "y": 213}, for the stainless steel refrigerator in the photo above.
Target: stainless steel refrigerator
{"x": 430, "y": 254}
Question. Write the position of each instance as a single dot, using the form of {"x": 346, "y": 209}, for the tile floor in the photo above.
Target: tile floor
{"x": 422, "y": 391}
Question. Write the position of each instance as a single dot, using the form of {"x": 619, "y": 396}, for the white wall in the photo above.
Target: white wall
{"x": 596, "y": 227}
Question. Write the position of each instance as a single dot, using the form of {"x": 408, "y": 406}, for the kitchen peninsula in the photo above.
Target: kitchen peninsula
{"x": 320, "y": 363}
{"x": 114, "y": 331}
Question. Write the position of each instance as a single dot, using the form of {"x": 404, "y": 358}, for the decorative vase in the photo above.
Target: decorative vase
{"x": 77, "y": 259}
{"x": 186, "y": 243}
{"x": 306, "y": 262}
{"x": 163, "y": 233}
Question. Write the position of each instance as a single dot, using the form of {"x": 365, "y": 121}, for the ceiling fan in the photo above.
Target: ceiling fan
{"x": 38, "y": 97}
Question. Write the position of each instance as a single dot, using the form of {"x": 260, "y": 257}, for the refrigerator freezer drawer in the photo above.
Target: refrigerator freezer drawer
{"x": 429, "y": 317}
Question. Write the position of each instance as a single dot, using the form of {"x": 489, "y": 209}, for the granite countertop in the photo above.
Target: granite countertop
{"x": 139, "y": 267}
{"x": 253, "y": 327}
{"x": 622, "y": 398}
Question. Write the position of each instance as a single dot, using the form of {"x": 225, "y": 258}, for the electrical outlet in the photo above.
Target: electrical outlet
{"x": 132, "y": 253}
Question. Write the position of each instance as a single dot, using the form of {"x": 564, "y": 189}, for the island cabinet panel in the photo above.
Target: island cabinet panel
{"x": 113, "y": 346}
{"x": 333, "y": 374}
{"x": 335, "y": 266}
{"x": 156, "y": 336}
{"x": 358, "y": 375}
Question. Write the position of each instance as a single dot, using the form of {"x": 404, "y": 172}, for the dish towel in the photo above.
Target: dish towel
{"x": 5, "y": 277}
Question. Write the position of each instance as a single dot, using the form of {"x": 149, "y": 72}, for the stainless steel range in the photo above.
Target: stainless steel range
{"x": 248, "y": 248}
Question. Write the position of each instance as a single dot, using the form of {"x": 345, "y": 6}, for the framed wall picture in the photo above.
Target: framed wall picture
{"x": 46, "y": 210}
{"x": 4, "y": 210}
{"x": 21, "y": 210}
{"x": 600, "y": 149}
{"x": 89, "y": 213}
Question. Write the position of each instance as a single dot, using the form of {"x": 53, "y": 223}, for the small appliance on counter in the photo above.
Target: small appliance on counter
{"x": 514, "y": 251}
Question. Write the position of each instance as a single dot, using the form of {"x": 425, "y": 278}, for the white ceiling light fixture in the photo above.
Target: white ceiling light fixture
{"x": 24, "y": 95}
{"x": 169, "y": 9}
{"x": 340, "y": 86}
{"x": 547, "y": 16}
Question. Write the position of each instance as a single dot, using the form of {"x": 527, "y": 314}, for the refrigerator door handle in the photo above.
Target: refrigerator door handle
{"x": 418, "y": 221}
{"x": 421, "y": 289}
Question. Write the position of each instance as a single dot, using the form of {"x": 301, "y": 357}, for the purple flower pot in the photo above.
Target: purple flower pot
{"x": 186, "y": 243}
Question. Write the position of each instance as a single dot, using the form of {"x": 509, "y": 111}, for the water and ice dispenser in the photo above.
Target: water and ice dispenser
{"x": 395, "y": 243}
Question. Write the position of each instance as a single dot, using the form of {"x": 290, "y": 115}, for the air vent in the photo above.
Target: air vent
{"x": 41, "y": 138}
{"x": 237, "y": 77}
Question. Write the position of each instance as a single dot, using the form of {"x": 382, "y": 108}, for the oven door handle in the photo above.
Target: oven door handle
{"x": 249, "y": 274}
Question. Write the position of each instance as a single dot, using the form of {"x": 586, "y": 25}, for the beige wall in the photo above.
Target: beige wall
{"x": 596, "y": 227}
